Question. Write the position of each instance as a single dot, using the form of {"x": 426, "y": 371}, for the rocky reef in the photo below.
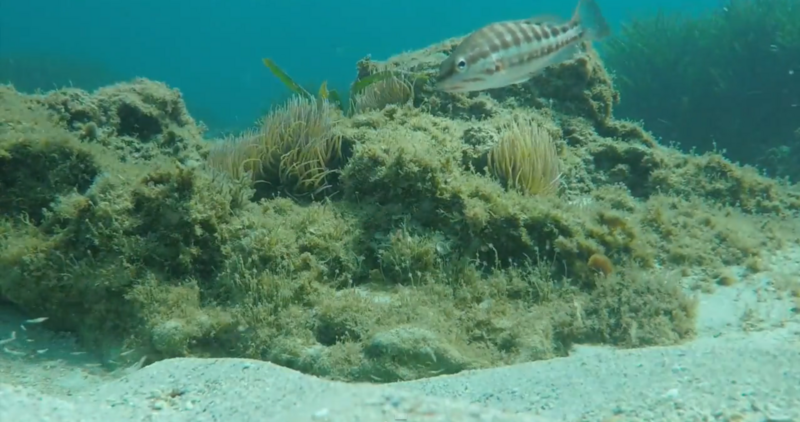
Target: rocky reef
{"x": 405, "y": 238}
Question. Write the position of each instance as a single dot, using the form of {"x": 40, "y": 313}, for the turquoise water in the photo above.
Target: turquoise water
{"x": 211, "y": 50}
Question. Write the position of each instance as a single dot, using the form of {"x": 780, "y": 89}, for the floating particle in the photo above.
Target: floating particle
{"x": 13, "y": 352}
{"x": 36, "y": 320}
{"x": 10, "y": 339}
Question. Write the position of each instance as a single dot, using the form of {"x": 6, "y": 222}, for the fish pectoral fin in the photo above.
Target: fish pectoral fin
{"x": 523, "y": 80}
{"x": 564, "y": 55}
{"x": 529, "y": 76}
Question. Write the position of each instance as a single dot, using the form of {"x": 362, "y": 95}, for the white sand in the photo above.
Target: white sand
{"x": 744, "y": 366}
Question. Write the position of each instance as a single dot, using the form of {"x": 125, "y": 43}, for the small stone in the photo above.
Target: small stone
{"x": 321, "y": 414}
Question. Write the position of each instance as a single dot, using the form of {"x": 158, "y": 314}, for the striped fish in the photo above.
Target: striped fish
{"x": 511, "y": 52}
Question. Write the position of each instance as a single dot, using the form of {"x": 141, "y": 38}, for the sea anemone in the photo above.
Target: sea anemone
{"x": 526, "y": 158}
{"x": 293, "y": 147}
{"x": 237, "y": 155}
{"x": 395, "y": 89}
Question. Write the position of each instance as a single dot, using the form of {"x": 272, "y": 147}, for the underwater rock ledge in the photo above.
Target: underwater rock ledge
{"x": 421, "y": 258}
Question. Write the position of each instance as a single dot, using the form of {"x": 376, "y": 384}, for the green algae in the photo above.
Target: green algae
{"x": 722, "y": 80}
{"x": 419, "y": 262}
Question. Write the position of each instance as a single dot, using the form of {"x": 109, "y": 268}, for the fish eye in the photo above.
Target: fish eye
{"x": 461, "y": 64}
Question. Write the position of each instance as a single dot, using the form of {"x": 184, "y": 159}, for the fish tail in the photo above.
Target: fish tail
{"x": 591, "y": 19}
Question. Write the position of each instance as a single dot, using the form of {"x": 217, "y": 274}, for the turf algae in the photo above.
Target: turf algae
{"x": 417, "y": 259}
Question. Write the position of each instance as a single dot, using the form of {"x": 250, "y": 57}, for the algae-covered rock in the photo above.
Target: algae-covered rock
{"x": 39, "y": 161}
{"x": 406, "y": 351}
{"x": 140, "y": 120}
{"x": 581, "y": 87}
{"x": 412, "y": 255}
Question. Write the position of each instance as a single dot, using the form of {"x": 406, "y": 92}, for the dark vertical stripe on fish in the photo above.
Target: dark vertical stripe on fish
{"x": 536, "y": 33}
{"x": 513, "y": 35}
{"x": 527, "y": 34}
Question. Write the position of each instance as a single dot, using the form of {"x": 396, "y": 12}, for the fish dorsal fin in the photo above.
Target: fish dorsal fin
{"x": 540, "y": 19}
